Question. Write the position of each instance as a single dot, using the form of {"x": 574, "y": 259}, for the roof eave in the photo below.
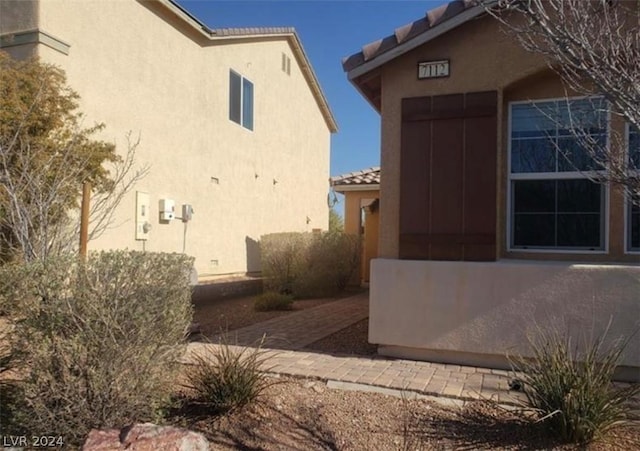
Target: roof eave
{"x": 376, "y": 107}
{"x": 314, "y": 84}
{"x": 356, "y": 187}
{"x": 419, "y": 40}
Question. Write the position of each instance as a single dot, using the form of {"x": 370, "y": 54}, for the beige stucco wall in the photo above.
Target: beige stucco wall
{"x": 137, "y": 72}
{"x": 477, "y": 312}
{"x": 370, "y": 243}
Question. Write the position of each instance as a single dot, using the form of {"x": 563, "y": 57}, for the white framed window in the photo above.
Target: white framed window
{"x": 633, "y": 209}
{"x": 240, "y": 100}
{"x": 553, "y": 205}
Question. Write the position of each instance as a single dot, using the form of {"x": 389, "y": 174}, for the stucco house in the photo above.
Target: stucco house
{"x": 361, "y": 190}
{"x": 485, "y": 232}
{"x": 232, "y": 121}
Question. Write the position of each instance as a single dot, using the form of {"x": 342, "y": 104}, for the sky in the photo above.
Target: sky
{"x": 329, "y": 30}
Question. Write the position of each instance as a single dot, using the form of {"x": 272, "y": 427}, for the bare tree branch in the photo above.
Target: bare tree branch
{"x": 594, "y": 46}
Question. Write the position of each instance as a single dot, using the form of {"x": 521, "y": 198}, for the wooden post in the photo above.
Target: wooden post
{"x": 84, "y": 219}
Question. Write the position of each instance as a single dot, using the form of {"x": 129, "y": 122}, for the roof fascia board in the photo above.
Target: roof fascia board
{"x": 185, "y": 16}
{"x": 310, "y": 75}
{"x": 361, "y": 187}
{"x": 427, "y": 36}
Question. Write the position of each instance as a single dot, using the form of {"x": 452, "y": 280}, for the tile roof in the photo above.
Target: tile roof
{"x": 432, "y": 19}
{"x": 366, "y": 177}
{"x": 251, "y": 31}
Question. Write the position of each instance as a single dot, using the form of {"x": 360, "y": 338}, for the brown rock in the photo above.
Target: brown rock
{"x": 145, "y": 437}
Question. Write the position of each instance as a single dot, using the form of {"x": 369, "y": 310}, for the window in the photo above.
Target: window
{"x": 240, "y": 100}
{"x": 553, "y": 204}
{"x": 633, "y": 208}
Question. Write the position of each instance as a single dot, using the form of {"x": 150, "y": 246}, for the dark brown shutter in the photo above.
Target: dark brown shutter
{"x": 448, "y": 177}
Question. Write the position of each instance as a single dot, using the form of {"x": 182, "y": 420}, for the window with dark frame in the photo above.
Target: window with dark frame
{"x": 240, "y": 100}
{"x": 633, "y": 206}
{"x": 554, "y": 205}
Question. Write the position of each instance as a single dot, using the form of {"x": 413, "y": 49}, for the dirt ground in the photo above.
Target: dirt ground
{"x": 299, "y": 414}
{"x": 230, "y": 314}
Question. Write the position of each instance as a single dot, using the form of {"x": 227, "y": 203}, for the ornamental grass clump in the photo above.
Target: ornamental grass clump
{"x": 572, "y": 390}
{"x": 225, "y": 378}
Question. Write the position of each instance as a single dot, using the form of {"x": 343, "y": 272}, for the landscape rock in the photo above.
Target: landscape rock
{"x": 145, "y": 437}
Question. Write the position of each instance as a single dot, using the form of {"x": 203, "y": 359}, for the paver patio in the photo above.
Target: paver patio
{"x": 288, "y": 334}
{"x": 299, "y": 329}
{"x": 444, "y": 383}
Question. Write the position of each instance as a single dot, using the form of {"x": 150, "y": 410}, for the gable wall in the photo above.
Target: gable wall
{"x": 136, "y": 72}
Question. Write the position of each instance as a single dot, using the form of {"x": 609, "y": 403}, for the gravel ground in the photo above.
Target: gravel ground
{"x": 299, "y": 414}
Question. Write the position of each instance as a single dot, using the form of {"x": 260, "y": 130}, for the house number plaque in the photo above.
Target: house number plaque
{"x": 433, "y": 69}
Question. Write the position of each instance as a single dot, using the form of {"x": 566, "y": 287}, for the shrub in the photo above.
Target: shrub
{"x": 309, "y": 264}
{"x": 272, "y": 300}
{"x": 571, "y": 390}
{"x": 283, "y": 259}
{"x": 97, "y": 342}
{"x": 226, "y": 378}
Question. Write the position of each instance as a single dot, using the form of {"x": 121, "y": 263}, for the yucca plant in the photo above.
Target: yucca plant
{"x": 226, "y": 378}
{"x": 572, "y": 389}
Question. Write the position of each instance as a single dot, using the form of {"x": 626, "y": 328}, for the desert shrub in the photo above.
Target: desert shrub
{"x": 572, "y": 390}
{"x": 283, "y": 259}
{"x": 272, "y": 300}
{"x": 309, "y": 264}
{"x": 224, "y": 378}
{"x": 97, "y": 342}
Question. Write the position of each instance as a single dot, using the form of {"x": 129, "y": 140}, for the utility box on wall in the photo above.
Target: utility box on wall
{"x": 143, "y": 215}
{"x": 167, "y": 209}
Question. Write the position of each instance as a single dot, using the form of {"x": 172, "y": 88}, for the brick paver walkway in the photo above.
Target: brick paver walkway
{"x": 293, "y": 332}
{"x": 297, "y": 330}
{"x": 462, "y": 383}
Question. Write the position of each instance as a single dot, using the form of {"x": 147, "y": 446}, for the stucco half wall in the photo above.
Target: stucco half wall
{"x": 477, "y": 312}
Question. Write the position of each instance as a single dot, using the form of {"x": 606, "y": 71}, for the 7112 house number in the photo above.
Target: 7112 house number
{"x": 433, "y": 69}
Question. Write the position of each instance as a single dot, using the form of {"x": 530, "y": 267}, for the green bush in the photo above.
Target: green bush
{"x": 309, "y": 264}
{"x": 97, "y": 343}
{"x": 272, "y": 300}
{"x": 225, "y": 378}
{"x": 572, "y": 390}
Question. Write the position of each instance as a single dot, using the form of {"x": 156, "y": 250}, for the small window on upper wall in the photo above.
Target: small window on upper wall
{"x": 633, "y": 207}
{"x": 240, "y": 100}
